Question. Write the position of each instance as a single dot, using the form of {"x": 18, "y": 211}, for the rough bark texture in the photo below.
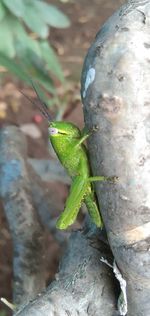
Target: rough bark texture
{"x": 27, "y": 232}
{"x": 84, "y": 286}
{"x": 116, "y": 96}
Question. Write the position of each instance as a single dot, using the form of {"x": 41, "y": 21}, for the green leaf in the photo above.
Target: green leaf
{"x": 2, "y": 11}
{"x": 19, "y": 37}
{"x": 34, "y": 20}
{"x": 52, "y": 15}
{"x": 36, "y": 67}
{"x": 44, "y": 80}
{"x": 43, "y": 96}
{"x": 13, "y": 67}
{"x": 22, "y": 40}
{"x": 34, "y": 73}
{"x": 27, "y": 10}
{"x": 51, "y": 59}
{"x": 3, "y": 313}
{"x": 25, "y": 43}
{"x": 16, "y": 7}
{"x": 6, "y": 38}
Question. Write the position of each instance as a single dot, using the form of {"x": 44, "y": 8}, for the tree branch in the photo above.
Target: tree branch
{"x": 83, "y": 286}
{"x": 116, "y": 94}
{"x": 26, "y": 230}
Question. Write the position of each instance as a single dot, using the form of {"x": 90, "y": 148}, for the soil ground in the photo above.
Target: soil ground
{"x": 71, "y": 46}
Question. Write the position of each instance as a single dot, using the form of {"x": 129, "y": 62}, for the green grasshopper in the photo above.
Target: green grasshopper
{"x": 68, "y": 143}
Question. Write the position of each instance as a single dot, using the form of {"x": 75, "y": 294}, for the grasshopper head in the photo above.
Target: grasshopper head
{"x": 63, "y": 128}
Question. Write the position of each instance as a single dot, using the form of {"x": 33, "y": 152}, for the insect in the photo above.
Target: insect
{"x": 68, "y": 143}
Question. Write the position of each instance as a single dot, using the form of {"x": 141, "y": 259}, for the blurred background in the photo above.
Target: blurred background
{"x": 43, "y": 41}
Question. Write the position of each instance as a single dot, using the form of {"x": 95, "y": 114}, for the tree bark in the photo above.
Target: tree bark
{"x": 83, "y": 286}
{"x": 26, "y": 229}
{"x": 116, "y": 97}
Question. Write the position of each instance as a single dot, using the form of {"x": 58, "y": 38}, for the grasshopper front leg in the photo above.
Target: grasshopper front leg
{"x": 85, "y": 134}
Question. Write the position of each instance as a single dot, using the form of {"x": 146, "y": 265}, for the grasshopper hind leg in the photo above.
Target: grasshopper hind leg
{"x": 93, "y": 210}
{"x": 73, "y": 203}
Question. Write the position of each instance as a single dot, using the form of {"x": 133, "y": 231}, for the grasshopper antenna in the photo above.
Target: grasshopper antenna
{"x": 41, "y": 105}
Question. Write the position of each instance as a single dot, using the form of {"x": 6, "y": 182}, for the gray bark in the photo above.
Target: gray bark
{"x": 116, "y": 97}
{"x": 26, "y": 229}
{"x": 84, "y": 286}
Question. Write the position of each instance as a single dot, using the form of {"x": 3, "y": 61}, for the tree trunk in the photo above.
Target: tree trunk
{"x": 116, "y": 97}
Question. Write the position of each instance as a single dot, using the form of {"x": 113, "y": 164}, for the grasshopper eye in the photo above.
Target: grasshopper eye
{"x": 53, "y": 131}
